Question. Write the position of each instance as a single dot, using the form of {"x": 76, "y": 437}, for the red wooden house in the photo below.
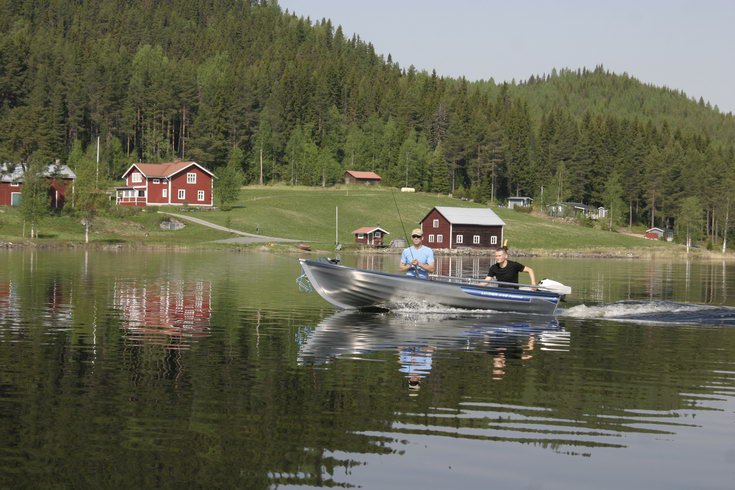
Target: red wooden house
{"x": 372, "y": 236}
{"x": 449, "y": 227}
{"x": 166, "y": 184}
{"x": 60, "y": 179}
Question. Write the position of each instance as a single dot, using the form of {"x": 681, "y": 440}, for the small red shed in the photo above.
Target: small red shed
{"x": 654, "y": 233}
{"x": 167, "y": 184}
{"x": 372, "y": 236}
{"x": 356, "y": 177}
{"x": 450, "y": 227}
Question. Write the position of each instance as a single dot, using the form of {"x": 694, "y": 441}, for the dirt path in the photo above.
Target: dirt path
{"x": 244, "y": 237}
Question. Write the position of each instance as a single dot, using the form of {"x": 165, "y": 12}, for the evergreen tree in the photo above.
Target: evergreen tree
{"x": 439, "y": 172}
{"x": 518, "y": 150}
{"x": 209, "y": 144}
{"x": 230, "y": 179}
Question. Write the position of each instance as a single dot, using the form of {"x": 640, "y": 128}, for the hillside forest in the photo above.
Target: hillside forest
{"x": 253, "y": 90}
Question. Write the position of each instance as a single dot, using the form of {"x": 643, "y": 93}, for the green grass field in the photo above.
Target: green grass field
{"x": 135, "y": 228}
{"x": 310, "y": 214}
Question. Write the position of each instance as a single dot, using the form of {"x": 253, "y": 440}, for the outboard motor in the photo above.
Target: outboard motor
{"x": 330, "y": 260}
{"x": 555, "y": 287}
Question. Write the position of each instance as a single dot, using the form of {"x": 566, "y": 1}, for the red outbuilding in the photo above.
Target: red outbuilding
{"x": 654, "y": 233}
{"x": 167, "y": 184}
{"x": 357, "y": 177}
{"x": 372, "y": 236}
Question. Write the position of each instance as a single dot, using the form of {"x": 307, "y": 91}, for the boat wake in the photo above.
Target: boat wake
{"x": 659, "y": 312}
{"x": 409, "y": 308}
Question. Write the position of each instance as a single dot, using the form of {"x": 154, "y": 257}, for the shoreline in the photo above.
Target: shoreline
{"x": 281, "y": 248}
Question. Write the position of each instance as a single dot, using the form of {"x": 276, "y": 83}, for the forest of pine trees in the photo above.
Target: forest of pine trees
{"x": 222, "y": 82}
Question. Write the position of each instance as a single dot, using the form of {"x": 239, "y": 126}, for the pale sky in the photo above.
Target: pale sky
{"x": 681, "y": 44}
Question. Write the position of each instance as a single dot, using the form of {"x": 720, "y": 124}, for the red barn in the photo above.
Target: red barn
{"x": 167, "y": 184}
{"x": 355, "y": 177}
{"x": 372, "y": 236}
{"x": 449, "y": 227}
{"x": 60, "y": 179}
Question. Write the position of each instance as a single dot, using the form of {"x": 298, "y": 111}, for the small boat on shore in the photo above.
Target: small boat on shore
{"x": 352, "y": 288}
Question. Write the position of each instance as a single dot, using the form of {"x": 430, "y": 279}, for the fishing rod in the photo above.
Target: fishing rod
{"x": 405, "y": 236}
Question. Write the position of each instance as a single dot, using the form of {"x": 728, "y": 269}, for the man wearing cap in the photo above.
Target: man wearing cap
{"x": 417, "y": 260}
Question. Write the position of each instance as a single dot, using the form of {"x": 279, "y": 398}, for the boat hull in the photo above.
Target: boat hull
{"x": 351, "y": 288}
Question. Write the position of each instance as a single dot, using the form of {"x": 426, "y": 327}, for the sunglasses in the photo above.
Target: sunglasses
{"x": 416, "y": 236}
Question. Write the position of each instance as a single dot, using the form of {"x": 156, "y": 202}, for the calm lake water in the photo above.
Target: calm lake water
{"x": 140, "y": 370}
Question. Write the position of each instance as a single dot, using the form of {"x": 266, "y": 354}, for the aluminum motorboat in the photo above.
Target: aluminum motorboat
{"x": 352, "y": 288}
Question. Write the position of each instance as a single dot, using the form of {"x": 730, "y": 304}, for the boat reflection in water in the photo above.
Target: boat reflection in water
{"x": 417, "y": 336}
{"x": 169, "y": 313}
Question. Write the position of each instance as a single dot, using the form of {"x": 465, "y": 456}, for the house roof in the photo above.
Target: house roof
{"x": 654, "y": 229}
{"x": 19, "y": 170}
{"x": 469, "y": 216}
{"x": 369, "y": 229}
{"x": 163, "y": 170}
{"x": 58, "y": 170}
{"x": 521, "y": 198}
{"x": 363, "y": 175}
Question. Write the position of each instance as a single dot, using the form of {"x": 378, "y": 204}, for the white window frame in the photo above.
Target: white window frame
{"x": 15, "y": 184}
{"x": 439, "y": 238}
{"x": 164, "y": 192}
{"x": 136, "y": 178}
{"x": 191, "y": 178}
{"x": 435, "y": 223}
{"x": 431, "y": 238}
{"x": 182, "y": 194}
{"x": 377, "y": 234}
{"x": 360, "y": 236}
{"x": 156, "y": 181}
{"x": 493, "y": 240}
{"x": 476, "y": 239}
{"x": 200, "y": 195}
{"x": 459, "y": 239}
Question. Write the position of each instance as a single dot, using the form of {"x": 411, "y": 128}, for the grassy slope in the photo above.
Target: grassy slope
{"x": 141, "y": 228}
{"x": 308, "y": 214}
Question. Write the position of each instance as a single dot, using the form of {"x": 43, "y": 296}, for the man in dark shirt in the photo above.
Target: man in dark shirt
{"x": 505, "y": 270}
